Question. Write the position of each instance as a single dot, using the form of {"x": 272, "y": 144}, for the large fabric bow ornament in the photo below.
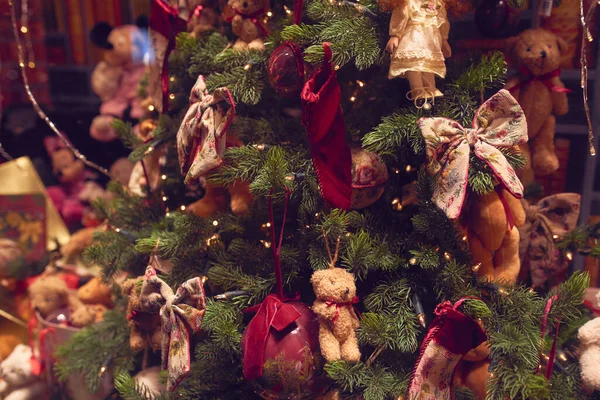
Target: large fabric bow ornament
{"x": 179, "y": 313}
{"x": 498, "y": 123}
{"x": 553, "y": 215}
{"x": 201, "y": 139}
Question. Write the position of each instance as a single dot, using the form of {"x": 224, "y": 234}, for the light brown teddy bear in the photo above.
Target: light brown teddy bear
{"x": 203, "y": 18}
{"x": 50, "y": 293}
{"x": 96, "y": 298}
{"x": 336, "y": 293}
{"x": 541, "y": 94}
{"x": 145, "y": 327}
{"x": 247, "y": 23}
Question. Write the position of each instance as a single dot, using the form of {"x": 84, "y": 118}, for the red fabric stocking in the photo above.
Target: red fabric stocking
{"x": 324, "y": 122}
{"x": 451, "y": 335}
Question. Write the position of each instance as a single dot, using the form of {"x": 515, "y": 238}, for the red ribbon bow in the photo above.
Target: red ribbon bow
{"x": 552, "y": 355}
{"x": 272, "y": 312}
{"x": 545, "y": 79}
{"x": 340, "y": 305}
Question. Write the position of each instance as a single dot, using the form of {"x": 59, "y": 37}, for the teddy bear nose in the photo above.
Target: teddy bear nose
{"x": 543, "y": 53}
{"x": 245, "y": 5}
{"x": 347, "y": 291}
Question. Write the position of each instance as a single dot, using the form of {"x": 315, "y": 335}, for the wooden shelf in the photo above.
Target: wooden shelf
{"x": 575, "y": 73}
{"x": 571, "y": 129}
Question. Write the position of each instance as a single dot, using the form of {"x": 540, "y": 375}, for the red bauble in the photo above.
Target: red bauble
{"x": 293, "y": 366}
{"x": 286, "y": 70}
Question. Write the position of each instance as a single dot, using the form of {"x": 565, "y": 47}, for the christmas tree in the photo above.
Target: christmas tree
{"x": 311, "y": 158}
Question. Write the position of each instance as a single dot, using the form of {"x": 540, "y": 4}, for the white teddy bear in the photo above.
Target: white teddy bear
{"x": 589, "y": 338}
{"x": 17, "y": 381}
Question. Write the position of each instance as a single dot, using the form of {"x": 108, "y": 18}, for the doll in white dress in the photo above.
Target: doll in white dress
{"x": 418, "y": 45}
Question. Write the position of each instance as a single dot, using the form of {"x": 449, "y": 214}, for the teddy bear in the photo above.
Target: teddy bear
{"x": 115, "y": 79}
{"x": 49, "y": 293}
{"x": 247, "y": 23}
{"x": 542, "y": 95}
{"x": 216, "y": 199}
{"x": 203, "y": 17}
{"x": 335, "y": 290}
{"x": 589, "y": 351}
{"x": 17, "y": 380}
{"x": 96, "y": 298}
{"x": 145, "y": 327}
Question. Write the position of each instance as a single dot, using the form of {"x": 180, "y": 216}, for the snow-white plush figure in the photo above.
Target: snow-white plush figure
{"x": 150, "y": 378}
{"x": 589, "y": 338}
{"x": 18, "y": 382}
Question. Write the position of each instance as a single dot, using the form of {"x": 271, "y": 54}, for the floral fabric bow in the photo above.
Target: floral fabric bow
{"x": 498, "y": 123}
{"x": 553, "y": 215}
{"x": 178, "y": 312}
{"x": 201, "y": 138}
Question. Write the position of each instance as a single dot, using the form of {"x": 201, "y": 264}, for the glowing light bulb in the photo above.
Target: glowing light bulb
{"x": 360, "y": 83}
{"x": 150, "y": 107}
{"x": 117, "y": 230}
{"x": 163, "y": 177}
{"x": 24, "y": 29}
{"x": 164, "y": 198}
{"x": 353, "y": 99}
{"x": 172, "y": 79}
{"x": 247, "y": 67}
{"x": 408, "y": 168}
{"x": 476, "y": 267}
{"x": 412, "y": 261}
{"x": 269, "y": 14}
{"x": 172, "y": 96}
{"x": 569, "y": 256}
{"x": 447, "y": 255}
{"x": 182, "y": 208}
{"x": 215, "y": 222}
{"x": 31, "y": 64}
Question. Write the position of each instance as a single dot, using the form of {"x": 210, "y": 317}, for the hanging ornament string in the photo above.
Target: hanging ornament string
{"x": 3, "y": 152}
{"x": 35, "y": 104}
{"x": 276, "y": 247}
{"x": 25, "y": 30}
{"x": 552, "y": 355}
{"x": 298, "y": 4}
{"x": 586, "y": 37}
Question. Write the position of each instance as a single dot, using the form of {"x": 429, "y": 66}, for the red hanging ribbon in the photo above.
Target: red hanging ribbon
{"x": 552, "y": 355}
{"x": 545, "y": 79}
{"x": 254, "y": 18}
{"x": 165, "y": 20}
{"x": 298, "y": 11}
{"x": 340, "y": 305}
{"x": 273, "y": 311}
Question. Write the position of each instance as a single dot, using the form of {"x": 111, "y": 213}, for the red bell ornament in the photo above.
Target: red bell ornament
{"x": 285, "y": 70}
{"x": 282, "y": 358}
{"x": 369, "y": 175}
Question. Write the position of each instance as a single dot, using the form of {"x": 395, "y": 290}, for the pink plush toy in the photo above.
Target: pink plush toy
{"x": 115, "y": 79}
{"x": 70, "y": 172}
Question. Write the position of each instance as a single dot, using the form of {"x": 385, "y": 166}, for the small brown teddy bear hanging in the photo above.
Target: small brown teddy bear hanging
{"x": 336, "y": 293}
{"x": 247, "y": 23}
{"x": 145, "y": 327}
{"x": 203, "y": 17}
{"x": 540, "y": 93}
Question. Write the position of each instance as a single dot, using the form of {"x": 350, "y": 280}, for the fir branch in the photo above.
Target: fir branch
{"x": 124, "y": 131}
{"x": 488, "y": 73}
{"x": 245, "y": 85}
{"x": 396, "y": 133}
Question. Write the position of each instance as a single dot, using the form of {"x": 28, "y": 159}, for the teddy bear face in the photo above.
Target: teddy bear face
{"x": 537, "y": 50}
{"x": 127, "y": 46}
{"x": 248, "y": 7}
{"x": 48, "y": 294}
{"x": 335, "y": 284}
{"x": 66, "y": 167}
{"x": 16, "y": 368}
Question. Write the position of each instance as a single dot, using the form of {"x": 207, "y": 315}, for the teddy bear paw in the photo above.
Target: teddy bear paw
{"x": 350, "y": 353}
{"x": 544, "y": 163}
{"x": 137, "y": 343}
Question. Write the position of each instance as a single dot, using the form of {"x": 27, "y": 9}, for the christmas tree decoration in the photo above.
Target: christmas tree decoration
{"x": 181, "y": 313}
{"x": 451, "y": 335}
{"x": 496, "y": 18}
{"x": 418, "y": 45}
{"x": 204, "y": 17}
{"x": 324, "y": 122}
{"x": 285, "y": 69}
{"x": 586, "y": 38}
{"x": 335, "y": 290}
{"x": 589, "y": 351}
{"x": 540, "y": 93}
{"x": 248, "y": 23}
{"x": 369, "y": 175}
{"x": 546, "y": 222}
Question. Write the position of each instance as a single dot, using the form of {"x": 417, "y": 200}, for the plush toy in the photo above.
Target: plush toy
{"x": 70, "y": 172}
{"x": 96, "y": 298}
{"x": 541, "y": 94}
{"x": 120, "y": 170}
{"x": 49, "y": 293}
{"x": 137, "y": 178}
{"x": 115, "y": 79}
{"x": 18, "y": 382}
{"x": 474, "y": 375}
{"x": 247, "y": 23}
{"x": 203, "y": 17}
{"x": 216, "y": 198}
{"x": 418, "y": 45}
{"x": 145, "y": 327}
{"x": 589, "y": 351}
{"x": 335, "y": 290}
{"x": 150, "y": 378}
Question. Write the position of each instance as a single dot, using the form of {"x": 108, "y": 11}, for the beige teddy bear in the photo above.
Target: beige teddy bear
{"x": 96, "y": 298}
{"x": 247, "y": 23}
{"x": 336, "y": 293}
{"x": 49, "y": 293}
{"x": 589, "y": 352}
{"x": 541, "y": 94}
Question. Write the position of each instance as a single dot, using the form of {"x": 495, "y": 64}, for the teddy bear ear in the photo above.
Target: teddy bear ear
{"x": 509, "y": 46}
{"x": 562, "y": 44}
{"x": 142, "y": 22}
{"x": 99, "y": 35}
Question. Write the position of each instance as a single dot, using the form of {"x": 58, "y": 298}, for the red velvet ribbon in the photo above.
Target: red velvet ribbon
{"x": 545, "y": 79}
{"x": 509, "y": 216}
{"x": 324, "y": 122}
{"x": 165, "y": 20}
{"x": 552, "y": 355}
{"x": 254, "y": 18}
{"x": 298, "y": 4}
{"x": 340, "y": 305}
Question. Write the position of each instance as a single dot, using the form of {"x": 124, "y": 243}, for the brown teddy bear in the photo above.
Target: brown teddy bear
{"x": 50, "y": 293}
{"x": 145, "y": 327}
{"x": 203, "y": 18}
{"x": 96, "y": 298}
{"x": 247, "y": 23}
{"x": 541, "y": 94}
{"x": 336, "y": 293}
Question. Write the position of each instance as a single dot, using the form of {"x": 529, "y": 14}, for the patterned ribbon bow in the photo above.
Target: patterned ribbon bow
{"x": 201, "y": 138}
{"x": 340, "y": 305}
{"x": 553, "y": 215}
{"x": 498, "y": 123}
{"x": 178, "y": 312}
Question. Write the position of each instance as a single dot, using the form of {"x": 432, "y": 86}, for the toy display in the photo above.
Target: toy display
{"x": 247, "y": 23}
{"x": 18, "y": 381}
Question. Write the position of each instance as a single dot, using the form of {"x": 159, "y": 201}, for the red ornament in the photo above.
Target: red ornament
{"x": 292, "y": 366}
{"x": 286, "y": 70}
